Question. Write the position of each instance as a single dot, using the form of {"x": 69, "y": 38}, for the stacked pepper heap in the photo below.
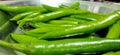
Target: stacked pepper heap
{"x": 48, "y": 30}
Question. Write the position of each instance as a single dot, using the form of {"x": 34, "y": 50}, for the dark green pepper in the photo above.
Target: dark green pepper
{"x": 3, "y": 18}
{"x": 6, "y": 28}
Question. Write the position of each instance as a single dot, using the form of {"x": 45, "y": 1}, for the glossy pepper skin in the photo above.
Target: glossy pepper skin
{"x": 80, "y": 21}
{"x": 85, "y": 28}
{"x": 55, "y": 15}
{"x": 114, "y": 31}
{"x": 72, "y": 46}
{"x": 20, "y": 9}
{"x": 63, "y": 22}
{"x": 41, "y": 24}
{"x": 21, "y": 16}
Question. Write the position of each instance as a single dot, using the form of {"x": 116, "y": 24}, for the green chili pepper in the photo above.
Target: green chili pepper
{"x": 114, "y": 31}
{"x": 40, "y": 24}
{"x": 35, "y": 35}
{"x": 33, "y": 15}
{"x": 41, "y": 31}
{"x": 63, "y": 22}
{"x": 23, "y": 39}
{"x": 27, "y": 17}
{"x": 85, "y": 28}
{"x": 71, "y": 46}
{"x": 55, "y": 15}
{"x": 21, "y": 16}
{"x": 83, "y": 17}
{"x": 80, "y": 21}
{"x": 89, "y": 16}
{"x": 44, "y": 30}
{"x": 20, "y": 9}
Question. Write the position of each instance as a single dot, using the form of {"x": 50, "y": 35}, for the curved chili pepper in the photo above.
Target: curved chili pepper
{"x": 114, "y": 31}
{"x": 20, "y": 9}
{"x": 85, "y": 28}
{"x": 55, "y": 15}
{"x": 71, "y": 46}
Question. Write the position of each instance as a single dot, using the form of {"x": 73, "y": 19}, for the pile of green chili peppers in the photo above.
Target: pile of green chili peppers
{"x": 47, "y": 30}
